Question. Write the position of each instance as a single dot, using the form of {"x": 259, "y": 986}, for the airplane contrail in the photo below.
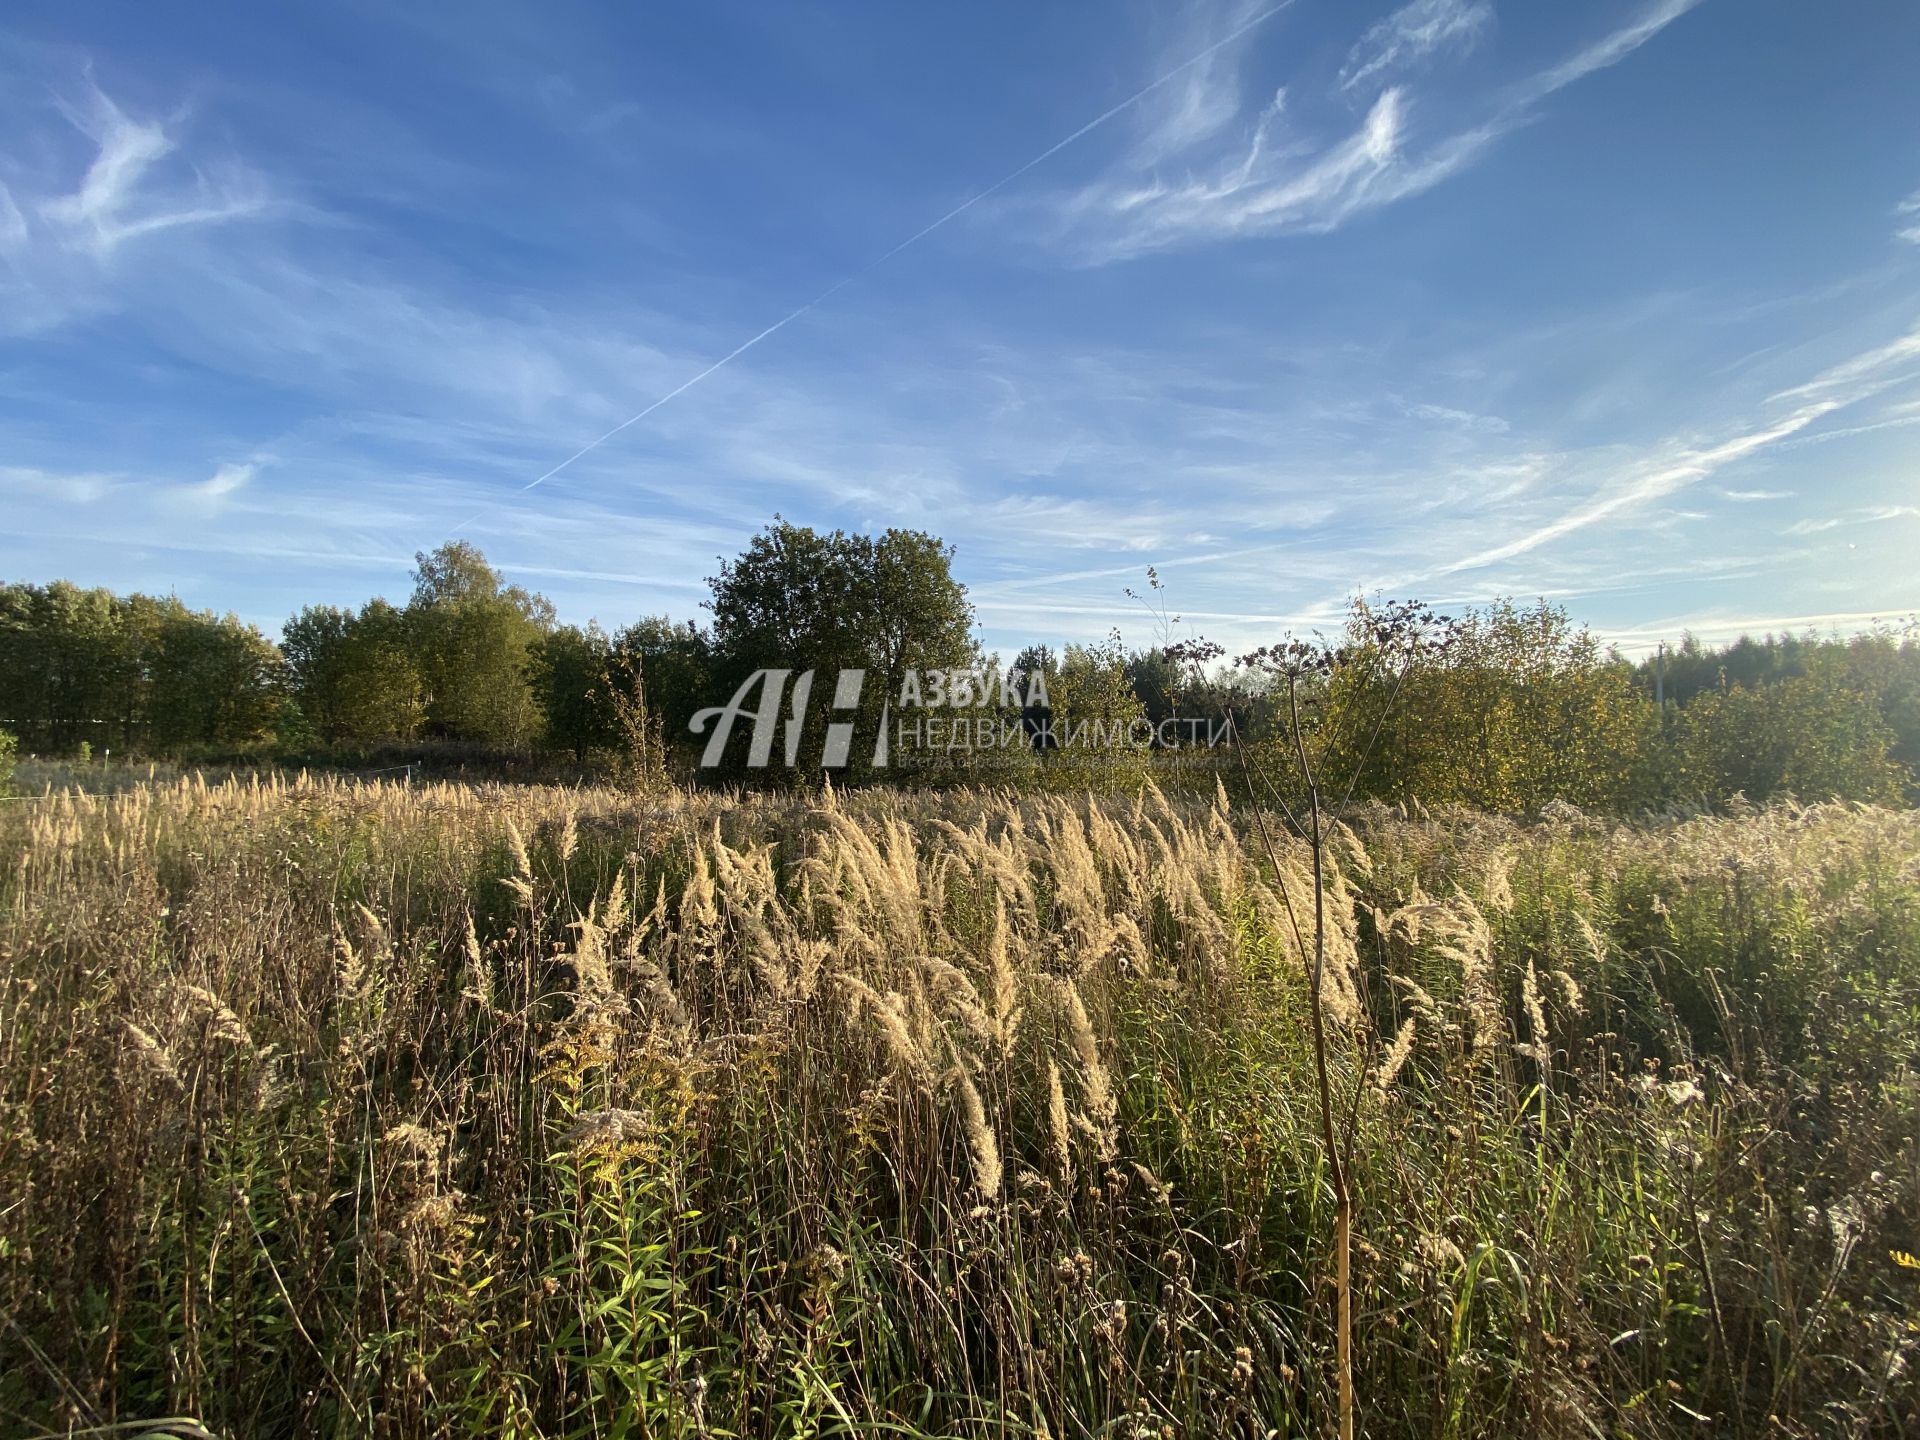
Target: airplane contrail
{"x": 913, "y": 239}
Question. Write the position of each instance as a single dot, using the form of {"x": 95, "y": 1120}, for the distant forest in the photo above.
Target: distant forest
{"x": 1524, "y": 708}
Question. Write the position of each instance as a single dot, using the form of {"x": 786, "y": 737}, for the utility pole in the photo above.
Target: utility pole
{"x": 1660, "y": 675}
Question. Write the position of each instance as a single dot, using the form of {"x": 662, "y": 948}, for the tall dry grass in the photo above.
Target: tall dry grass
{"x": 348, "y": 1109}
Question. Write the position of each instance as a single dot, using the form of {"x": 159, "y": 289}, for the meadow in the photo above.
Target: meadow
{"x": 333, "y": 1108}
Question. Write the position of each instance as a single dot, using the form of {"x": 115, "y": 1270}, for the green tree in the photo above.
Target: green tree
{"x": 1521, "y": 707}
{"x": 472, "y": 637}
{"x": 676, "y": 666}
{"x": 797, "y": 599}
{"x": 71, "y": 667}
{"x": 1099, "y": 726}
{"x": 918, "y": 615}
{"x": 314, "y": 645}
{"x": 567, "y": 667}
{"x": 353, "y": 675}
{"x": 1815, "y": 736}
{"x": 89, "y": 668}
{"x": 214, "y": 681}
{"x": 1884, "y": 664}
{"x": 383, "y": 696}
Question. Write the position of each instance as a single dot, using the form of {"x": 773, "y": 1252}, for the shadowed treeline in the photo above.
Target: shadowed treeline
{"x": 471, "y": 672}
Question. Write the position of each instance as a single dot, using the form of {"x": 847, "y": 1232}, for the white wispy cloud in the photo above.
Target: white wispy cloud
{"x": 123, "y": 196}
{"x": 1881, "y": 366}
{"x": 1193, "y": 182}
{"x": 1646, "y": 484}
{"x": 73, "y": 487}
{"x": 1835, "y": 388}
{"x": 67, "y": 236}
{"x": 1411, "y": 34}
{"x": 1750, "y": 497}
{"x": 1907, "y": 209}
{"x": 13, "y": 224}
{"x": 1279, "y": 184}
{"x": 1204, "y": 99}
{"x": 1860, "y": 515}
{"x": 1468, "y": 419}
{"x": 1608, "y": 51}
{"x": 227, "y": 480}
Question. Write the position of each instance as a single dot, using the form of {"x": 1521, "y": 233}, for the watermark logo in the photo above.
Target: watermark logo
{"x": 767, "y": 719}
{"x": 952, "y": 711}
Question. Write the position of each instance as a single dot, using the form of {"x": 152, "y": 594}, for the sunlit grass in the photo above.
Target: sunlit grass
{"x": 333, "y": 1108}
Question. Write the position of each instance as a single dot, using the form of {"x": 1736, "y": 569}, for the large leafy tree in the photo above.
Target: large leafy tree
{"x": 472, "y": 637}
{"x": 213, "y": 681}
{"x": 567, "y": 667}
{"x": 1521, "y": 707}
{"x": 86, "y": 666}
{"x": 1817, "y": 736}
{"x": 354, "y": 674}
{"x": 799, "y": 599}
{"x": 385, "y": 696}
{"x": 70, "y": 666}
{"x": 673, "y": 665}
{"x": 314, "y": 644}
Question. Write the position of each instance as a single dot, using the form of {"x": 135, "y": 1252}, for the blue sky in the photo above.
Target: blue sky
{"x": 1616, "y": 303}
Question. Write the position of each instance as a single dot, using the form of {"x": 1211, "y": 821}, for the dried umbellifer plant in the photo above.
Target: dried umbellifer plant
{"x": 1384, "y": 648}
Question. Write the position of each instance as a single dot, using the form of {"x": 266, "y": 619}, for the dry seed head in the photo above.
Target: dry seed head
{"x": 1499, "y": 880}
{"x": 1596, "y": 946}
{"x": 588, "y": 958}
{"x": 1463, "y": 936}
{"x": 1159, "y": 1192}
{"x": 983, "y": 1148}
{"x": 1353, "y": 854}
{"x": 522, "y": 863}
{"x": 151, "y": 1057}
{"x": 1536, "y": 1012}
{"x": 615, "y": 915}
{"x": 605, "y": 1131}
{"x": 433, "y": 1214}
{"x": 1410, "y": 917}
{"x": 352, "y": 975}
{"x": 1419, "y": 1001}
{"x": 1059, "y": 1128}
{"x": 1003, "y": 984}
{"x": 654, "y": 922}
{"x": 1101, "y": 1110}
{"x": 375, "y": 927}
{"x": 1396, "y": 1058}
{"x": 956, "y": 987}
{"x": 413, "y": 1140}
{"x": 222, "y": 1024}
{"x": 699, "y": 910}
{"x": 889, "y": 1011}
{"x": 478, "y": 986}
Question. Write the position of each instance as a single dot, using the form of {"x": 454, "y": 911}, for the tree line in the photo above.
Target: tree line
{"x": 1521, "y": 707}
